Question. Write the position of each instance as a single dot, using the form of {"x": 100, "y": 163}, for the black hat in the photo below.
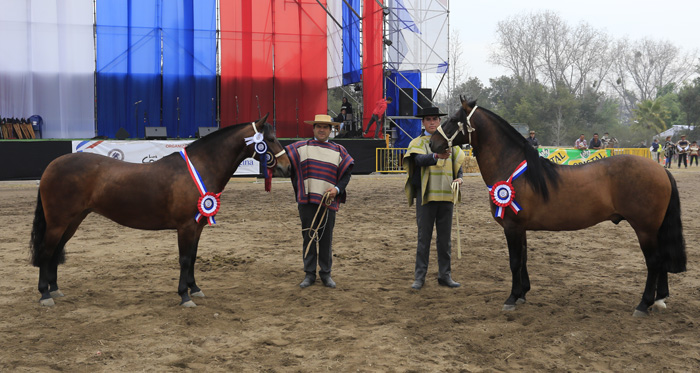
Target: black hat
{"x": 429, "y": 112}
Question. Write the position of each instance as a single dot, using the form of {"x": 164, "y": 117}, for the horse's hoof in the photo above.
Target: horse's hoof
{"x": 520, "y": 301}
{"x": 188, "y": 304}
{"x": 48, "y": 302}
{"x": 659, "y": 305}
{"x": 56, "y": 294}
{"x": 508, "y": 307}
{"x": 197, "y": 294}
{"x": 638, "y": 313}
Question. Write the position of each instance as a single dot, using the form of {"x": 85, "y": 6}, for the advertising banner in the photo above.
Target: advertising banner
{"x": 573, "y": 156}
{"x": 149, "y": 151}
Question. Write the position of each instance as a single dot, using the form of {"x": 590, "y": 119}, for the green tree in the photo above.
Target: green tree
{"x": 689, "y": 98}
{"x": 651, "y": 115}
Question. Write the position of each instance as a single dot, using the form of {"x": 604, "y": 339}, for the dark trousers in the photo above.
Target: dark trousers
{"x": 320, "y": 252}
{"x": 683, "y": 157}
{"x": 693, "y": 157}
{"x": 438, "y": 214}
{"x": 374, "y": 119}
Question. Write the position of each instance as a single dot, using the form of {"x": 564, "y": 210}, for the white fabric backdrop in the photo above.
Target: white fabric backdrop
{"x": 48, "y": 64}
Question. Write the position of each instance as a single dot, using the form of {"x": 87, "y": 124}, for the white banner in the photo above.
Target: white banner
{"x": 149, "y": 151}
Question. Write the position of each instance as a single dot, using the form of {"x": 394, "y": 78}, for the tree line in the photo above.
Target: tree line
{"x": 566, "y": 80}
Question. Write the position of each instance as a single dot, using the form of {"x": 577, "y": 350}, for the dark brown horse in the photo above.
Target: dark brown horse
{"x": 152, "y": 196}
{"x": 553, "y": 197}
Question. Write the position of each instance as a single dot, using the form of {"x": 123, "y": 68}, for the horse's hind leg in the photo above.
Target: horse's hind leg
{"x": 649, "y": 248}
{"x": 55, "y": 240}
{"x": 662, "y": 292}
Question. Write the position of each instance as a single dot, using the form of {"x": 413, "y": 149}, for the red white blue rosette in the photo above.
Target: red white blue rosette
{"x": 209, "y": 204}
{"x": 503, "y": 194}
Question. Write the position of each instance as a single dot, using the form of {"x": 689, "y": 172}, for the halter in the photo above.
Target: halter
{"x": 258, "y": 139}
{"x": 469, "y": 130}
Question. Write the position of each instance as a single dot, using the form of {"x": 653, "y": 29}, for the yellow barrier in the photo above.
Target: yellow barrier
{"x": 390, "y": 160}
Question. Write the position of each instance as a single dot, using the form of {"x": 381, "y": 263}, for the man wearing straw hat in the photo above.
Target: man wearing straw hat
{"x": 429, "y": 181}
{"x": 321, "y": 172}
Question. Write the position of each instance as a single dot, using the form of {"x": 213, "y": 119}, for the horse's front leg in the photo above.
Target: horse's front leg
{"x": 187, "y": 245}
{"x": 195, "y": 291}
{"x": 515, "y": 237}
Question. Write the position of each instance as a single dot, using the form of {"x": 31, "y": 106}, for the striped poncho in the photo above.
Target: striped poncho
{"x": 436, "y": 181}
{"x": 317, "y": 167}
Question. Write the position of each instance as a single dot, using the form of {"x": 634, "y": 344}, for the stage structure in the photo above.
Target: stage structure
{"x": 417, "y": 45}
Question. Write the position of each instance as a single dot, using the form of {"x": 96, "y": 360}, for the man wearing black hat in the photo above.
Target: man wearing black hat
{"x": 429, "y": 180}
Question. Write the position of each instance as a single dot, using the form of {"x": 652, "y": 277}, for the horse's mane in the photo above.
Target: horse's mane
{"x": 539, "y": 169}
{"x": 212, "y": 138}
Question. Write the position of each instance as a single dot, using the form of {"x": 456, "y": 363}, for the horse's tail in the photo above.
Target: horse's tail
{"x": 36, "y": 243}
{"x": 671, "y": 241}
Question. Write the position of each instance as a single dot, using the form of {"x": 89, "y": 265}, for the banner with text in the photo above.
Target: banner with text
{"x": 573, "y": 156}
{"x": 149, "y": 151}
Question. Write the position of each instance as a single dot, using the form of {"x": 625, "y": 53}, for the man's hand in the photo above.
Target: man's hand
{"x": 458, "y": 180}
{"x": 332, "y": 192}
{"x": 444, "y": 155}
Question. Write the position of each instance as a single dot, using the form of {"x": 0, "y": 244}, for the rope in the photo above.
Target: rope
{"x": 313, "y": 234}
{"x": 455, "y": 199}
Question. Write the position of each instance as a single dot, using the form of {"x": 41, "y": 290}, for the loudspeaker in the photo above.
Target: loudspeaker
{"x": 422, "y": 101}
{"x": 406, "y": 103}
{"x": 121, "y": 134}
{"x": 156, "y": 133}
{"x": 203, "y": 131}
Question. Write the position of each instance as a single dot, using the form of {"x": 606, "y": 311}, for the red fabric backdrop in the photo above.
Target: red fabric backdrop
{"x": 295, "y": 88}
{"x": 246, "y": 60}
{"x": 372, "y": 88}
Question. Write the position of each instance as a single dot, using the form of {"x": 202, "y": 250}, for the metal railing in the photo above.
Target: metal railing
{"x": 390, "y": 160}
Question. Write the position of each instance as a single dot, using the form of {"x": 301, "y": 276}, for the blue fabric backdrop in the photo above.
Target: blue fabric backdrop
{"x": 352, "y": 65}
{"x": 132, "y": 67}
{"x": 412, "y": 126}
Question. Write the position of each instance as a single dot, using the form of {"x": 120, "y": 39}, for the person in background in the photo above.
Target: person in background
{"x": 595, "y": 142}
{"x": 581, "y": 143}
{"x": 669, "y": 150}
{"x": 655, "y": 150}
{"x": 429, "y": 181}
{"x": 346, "y": 105}
{"x": 532, "y": 140}
{"x": 683, "y": 146}
{"x": 694, "y": 150}
{"x": 320, "y": 169}
{"x": 378, "y": 113}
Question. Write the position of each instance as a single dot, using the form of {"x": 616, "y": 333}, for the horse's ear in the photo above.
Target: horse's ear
{"x": 462, "y": 99}
{"x": 264, "y": 119}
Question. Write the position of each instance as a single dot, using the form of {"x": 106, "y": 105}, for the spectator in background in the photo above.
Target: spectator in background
{"x": 580, "y": 143}
{"x": 378, "y": 113}
{"x": 595, "y": 142}
{"x": 669, "y": 150}
{"x": 532, "y": 140}
{"x": 654, "y": 149}
{"x": 346, "y": 105}
{"x": 694, "y": 150}
{"x": 683, "y": 147}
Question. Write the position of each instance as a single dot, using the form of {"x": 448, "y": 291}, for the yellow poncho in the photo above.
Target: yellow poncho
{"x": 436, "y": 181}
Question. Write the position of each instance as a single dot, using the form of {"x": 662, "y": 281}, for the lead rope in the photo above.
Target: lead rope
{"x": 313, "y": 234}
{"x": 455, "y": 199}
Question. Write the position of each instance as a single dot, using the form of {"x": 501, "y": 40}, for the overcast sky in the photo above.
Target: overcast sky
{"x": 672, "y": 20}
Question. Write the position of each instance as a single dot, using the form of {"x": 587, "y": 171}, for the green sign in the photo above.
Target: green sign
{"x": 573, "y": 156}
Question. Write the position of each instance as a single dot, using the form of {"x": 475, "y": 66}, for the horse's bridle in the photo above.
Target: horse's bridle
{"x": 258, "y": 137}
{"x": 469, "y": 129}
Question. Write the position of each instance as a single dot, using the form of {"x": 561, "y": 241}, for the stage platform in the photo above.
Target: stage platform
{"x": 27, "y": 159}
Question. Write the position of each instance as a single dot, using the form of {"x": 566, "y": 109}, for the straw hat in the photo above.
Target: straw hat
{"x": 322, "y": 119}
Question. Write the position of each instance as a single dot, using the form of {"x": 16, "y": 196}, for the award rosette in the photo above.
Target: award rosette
{"x": 503, "y": 194}
{"x": 208, "y": 203}
{"x": 266, "y": 161}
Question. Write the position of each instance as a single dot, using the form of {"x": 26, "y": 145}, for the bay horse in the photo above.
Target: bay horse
{"x": 529, "y": 192}
{"x": 152, "y": 196}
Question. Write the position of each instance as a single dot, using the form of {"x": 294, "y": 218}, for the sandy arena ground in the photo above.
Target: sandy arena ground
{"x": 121, "y": 312}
